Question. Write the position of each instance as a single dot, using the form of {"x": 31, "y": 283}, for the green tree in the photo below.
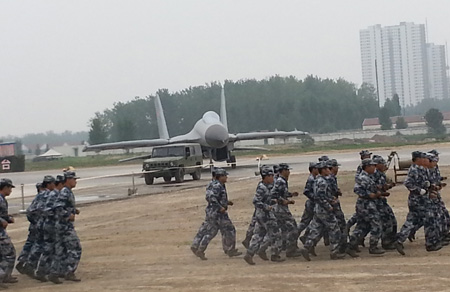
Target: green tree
{"x": 400, "y": 123}
{"x": 98, "y": 133}
{"x": 434, "y": 120}
{"x": 384, "y": 118}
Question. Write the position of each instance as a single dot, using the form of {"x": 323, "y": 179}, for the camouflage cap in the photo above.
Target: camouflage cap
{"x": 365, "y": 153}
{"x": 313, "y": 165}
{"x": 265, "y": 171}
{"x": 418, "y": 154}
{"x": 430, "y": 156}
{"x": 324, "y": 158}
{"x": 48, "y": 179}
{"x": 70, "y": 174}
{"x": 435, "y": 152}
{"x": 276, "y": 169}
{"x": 334, "y": 163}
{"x": 6, "y": 182}
{"x": 283, "y": 166}
{"x": 221, "y": 172}
{"x": 322, "y": 164}
{"x": 378, "y": 159}
{"x": 60, "y": 178}
{"x": 367, "y": 161}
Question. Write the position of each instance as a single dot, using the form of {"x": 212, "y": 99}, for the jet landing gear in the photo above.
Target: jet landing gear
{"x": 232, "y": 161}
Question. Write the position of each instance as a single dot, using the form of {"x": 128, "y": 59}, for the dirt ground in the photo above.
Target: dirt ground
{"x": 142, "y": 244}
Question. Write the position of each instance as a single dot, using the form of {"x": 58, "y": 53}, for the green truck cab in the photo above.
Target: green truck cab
{"x": 174, "y": 161}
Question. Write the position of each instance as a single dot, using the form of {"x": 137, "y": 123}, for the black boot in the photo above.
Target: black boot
{"x": 249, "y": 259}
{"x": 234, "y": 253}
{"x": 373, "y": 249}
{"x": 337, "y": 256}
{"x": 54, "y": 279}
{"x": 263, "y": 255}
{"x": 276, "y": 258}
{"x": 351, "y": 252}
{"x": 72, "y": 277}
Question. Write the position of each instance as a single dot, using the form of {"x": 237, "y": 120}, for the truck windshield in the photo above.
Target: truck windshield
{"x": 168, "y": 151}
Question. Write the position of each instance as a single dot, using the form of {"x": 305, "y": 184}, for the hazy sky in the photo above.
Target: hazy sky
{"x": 61, "y": 61}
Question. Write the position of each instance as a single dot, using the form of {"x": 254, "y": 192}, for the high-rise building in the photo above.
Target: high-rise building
{"x": 437, "y": 71}
{"x": 395, "y": 60}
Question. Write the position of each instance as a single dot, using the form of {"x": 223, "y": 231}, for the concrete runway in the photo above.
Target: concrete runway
{"x": 113, "y": 182}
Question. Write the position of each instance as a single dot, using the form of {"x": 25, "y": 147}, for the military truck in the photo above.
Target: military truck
{"x": 174, "y": 160}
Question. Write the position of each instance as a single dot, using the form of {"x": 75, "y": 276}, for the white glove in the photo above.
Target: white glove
{"x": 423, "y": 192}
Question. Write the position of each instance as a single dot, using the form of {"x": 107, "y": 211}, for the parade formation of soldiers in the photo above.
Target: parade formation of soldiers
{"x": 52, "y": 250}
{"x": 274, "y": 226}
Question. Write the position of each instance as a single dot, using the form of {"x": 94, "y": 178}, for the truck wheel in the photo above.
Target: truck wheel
{"x": 197, "y": 174}
{"x": 149, "y": 179}
{"x": 179, "y": 175}
{"x": 167, "y": 178}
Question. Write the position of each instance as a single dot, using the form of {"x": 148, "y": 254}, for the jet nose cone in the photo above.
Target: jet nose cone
{"x": 216, "y": 136}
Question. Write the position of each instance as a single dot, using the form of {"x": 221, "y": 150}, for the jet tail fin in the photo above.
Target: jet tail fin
{"x": 161, "y": 120}
{"x": 223, "y": 109}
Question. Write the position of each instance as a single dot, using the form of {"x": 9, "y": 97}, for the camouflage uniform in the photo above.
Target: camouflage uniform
{"x": 267, "y": 231}
{"x": 48, "y": 264}
{"x": 337, "y": 210}
{"x": 420, "y": 210}
{"x": 285, "y": 220}
{"x": 388, "y": 220}
{"x": 440, "y": 212}
{"x": 324, "y": 216}
{"x": 33, "y": 215}
{"x": 37, "y": 211}
{"x": 308, "y": 213}
{"x": 224, "y": 230}
{"x": 366, "y": 211}
{"x": 7, "y": 250}
{"x": 217, "y": 198}
{"x": 68, "y": 245}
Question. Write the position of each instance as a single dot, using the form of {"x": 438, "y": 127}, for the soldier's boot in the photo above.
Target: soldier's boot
{"x": 29, "y": 271}
{"x": 20, "y": 267}
{"x": 194, "y": 250}
{"x": 72, "y": 277}
{"x": 293, "y": 252}
{"x": 337, "y": 256}
{"x": 400, "y": 248}
{"x": 262, "y": 254}
{"x": 201, "y": 255}
{"x": 41, "y": 277}
{"x": 305, "y": 253}
{"x": 276, "y": 258}
{"x": 303, "y": 238}
{"x": 445, "y": 242}
{"x": 312, "y": 251}
{"x": 373, "y": 249}
{"x": 326, "y": 240}
{"x": 246, "y": 242}
{"x": 10, "y": 280}
{"x": 54, "y": 279}
{"x": 389, "y": 246}
{"x": 434, "y": 247}
{"x": 361, "y": 242}
{"x": 351, "y": 252}
{"x": 249, "y": 259}
{"x": 412, "y": 236}
{"x": 234, "y": 253}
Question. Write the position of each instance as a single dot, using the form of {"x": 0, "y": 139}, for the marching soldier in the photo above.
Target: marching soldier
{"x": 7, "y": 250}
{"x": 286, "y": 221}
{"x": 308, "y": 191}
{"x": 324, "y": 216}
{"x": 267, "y": 231}
{"x": 368, "y": 216}
{"x": 217, "y": 217}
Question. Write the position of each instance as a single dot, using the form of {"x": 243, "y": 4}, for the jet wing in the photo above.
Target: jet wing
{"x": 265, "y": 135}
{"x": 126, "y": 145}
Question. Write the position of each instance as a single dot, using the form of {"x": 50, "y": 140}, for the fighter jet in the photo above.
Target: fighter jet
{"x": 211, "y": 132}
